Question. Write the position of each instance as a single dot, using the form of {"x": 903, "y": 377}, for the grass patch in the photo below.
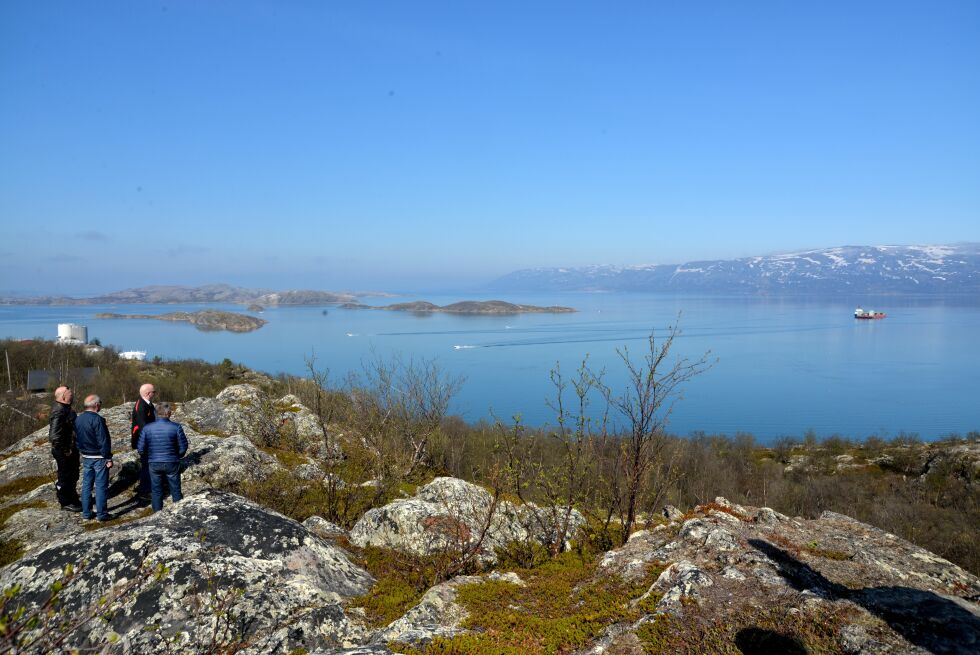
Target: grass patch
{"x": 402, "y": 579}
{"x": 288, "y": 458}
{"x": 10, "y": 551}
{"x": 565, "y": 605}
{"x": 122, "y": 520}
{"x": 10, "y": 510}
{"x": 779, "y": 628}
{"x": 813, "y": 548}
{"x": 21, "y": 486}
{"x": 827, "y": 553}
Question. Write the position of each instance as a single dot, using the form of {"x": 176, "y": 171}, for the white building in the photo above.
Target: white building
{"x": 71, "y": 333}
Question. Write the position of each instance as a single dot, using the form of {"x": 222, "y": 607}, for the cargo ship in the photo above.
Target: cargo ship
{"x": 868, "y": 314}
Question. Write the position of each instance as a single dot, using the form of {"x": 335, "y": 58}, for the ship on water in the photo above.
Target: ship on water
{"x": 868, "y": 314}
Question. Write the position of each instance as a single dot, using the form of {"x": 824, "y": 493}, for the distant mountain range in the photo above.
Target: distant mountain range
{"x": 936, "y": 269}
{"x": 210, "y": 293}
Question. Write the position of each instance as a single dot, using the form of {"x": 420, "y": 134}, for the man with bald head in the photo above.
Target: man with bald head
{"x": 61, "y": 434}
{"x": 95, "y": 446}
{"x": 142, "y": 414}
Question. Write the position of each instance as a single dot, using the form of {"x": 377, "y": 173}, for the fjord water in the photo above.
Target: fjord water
{"x": 784, "y": 365}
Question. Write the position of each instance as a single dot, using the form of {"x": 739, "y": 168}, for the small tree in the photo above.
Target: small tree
{"x": 395, "y": 409}
{"x": 568, "y": 482}
{"x": 652, "y": 390}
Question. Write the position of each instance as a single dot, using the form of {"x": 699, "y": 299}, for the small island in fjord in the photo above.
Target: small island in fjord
{"x": 207, "y": 319}
{"x": 465, "y": 307}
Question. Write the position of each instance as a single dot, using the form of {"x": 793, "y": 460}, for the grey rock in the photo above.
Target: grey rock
{"x": 671, "y": 513}
{"x": 210, "y": 463}
{"x": 288, "y": 582}
{"x": 902, "y": 598}
{"x": 324, "y": 528}
{"x": 769, "y": 516}
{"x": 437, "y": 614}
{"x": 450, "y": 513}
{"x": 206, "y": 415}
{"x": 679, "y": 580}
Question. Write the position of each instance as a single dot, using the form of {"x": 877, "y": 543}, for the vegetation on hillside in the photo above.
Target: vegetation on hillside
{"x": 391, "y": 422}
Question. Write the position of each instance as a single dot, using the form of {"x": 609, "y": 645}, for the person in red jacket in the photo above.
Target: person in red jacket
{"x": 142, "y": 414}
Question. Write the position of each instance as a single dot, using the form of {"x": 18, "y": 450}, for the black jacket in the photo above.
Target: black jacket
{"x": 142, "y": 414}
{"x": 61, "y": 428}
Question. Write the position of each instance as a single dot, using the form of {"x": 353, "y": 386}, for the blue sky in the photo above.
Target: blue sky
{"x": 430, "y": 145}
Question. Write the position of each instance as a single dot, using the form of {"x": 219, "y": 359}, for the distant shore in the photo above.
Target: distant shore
{"x": 482, "y": 307}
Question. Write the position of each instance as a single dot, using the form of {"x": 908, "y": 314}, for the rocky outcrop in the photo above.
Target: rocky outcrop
{"x": 231, "y": 571}
{"x": 449, "y": 514}
{"x": 210, "y": 463}
{"x": 247, "y": 409}
{"x": 730, "y": 561}
{"x": 205, "y": 319}
{"x": 27, "y": 471}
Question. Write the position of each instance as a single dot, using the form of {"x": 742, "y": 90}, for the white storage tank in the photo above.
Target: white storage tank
{"x": 72, "y": 333}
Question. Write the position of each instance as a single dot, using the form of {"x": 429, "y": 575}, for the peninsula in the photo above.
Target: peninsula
{"x": 209, "y": 293}
{"x": 465, "y": 307}
{"x": 208, "y": 319}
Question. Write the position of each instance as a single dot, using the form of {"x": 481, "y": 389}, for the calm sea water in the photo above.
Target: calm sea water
{"x": 784, "y": 366}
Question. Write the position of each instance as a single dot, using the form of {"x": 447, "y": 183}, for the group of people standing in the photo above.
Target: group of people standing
{"x": 83, "y": 441}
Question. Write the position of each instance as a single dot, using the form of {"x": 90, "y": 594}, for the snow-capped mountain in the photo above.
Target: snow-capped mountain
{"x": 937, "y": 269}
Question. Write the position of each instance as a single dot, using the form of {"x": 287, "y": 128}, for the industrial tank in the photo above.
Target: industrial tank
{"x": 72, "y": 332}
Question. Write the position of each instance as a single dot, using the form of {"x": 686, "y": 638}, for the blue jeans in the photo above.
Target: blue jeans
{"x": 94, "y": 470}
{"x": 159, "y": 471}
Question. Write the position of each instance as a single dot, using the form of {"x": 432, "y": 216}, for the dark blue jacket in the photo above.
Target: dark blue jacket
{"x": 162, "y": 441}
{"x": 92, "y": 435}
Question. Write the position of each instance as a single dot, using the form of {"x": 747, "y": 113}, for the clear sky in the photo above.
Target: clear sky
{"x": 423, "y": 145}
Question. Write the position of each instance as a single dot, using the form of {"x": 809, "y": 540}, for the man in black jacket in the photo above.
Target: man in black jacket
{"x": 142, "y": 414}
{"x": 61, "y": 434}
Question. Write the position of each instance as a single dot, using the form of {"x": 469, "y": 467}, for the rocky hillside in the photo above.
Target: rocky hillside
{"x": 220, "y": 573}
{"x": 208, "y": 293}
{"x": 941, "y": 269}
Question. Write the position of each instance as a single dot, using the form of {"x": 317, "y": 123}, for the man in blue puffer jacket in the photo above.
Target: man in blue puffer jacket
{"x": 163, "y": 443}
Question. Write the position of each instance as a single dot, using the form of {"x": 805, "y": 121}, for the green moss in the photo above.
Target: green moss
{"x": 10, "y": 551}
{"x": 402, "y": 579}
{"x": 122, "y": 520}
{"x": 21, "y": 486}
{"x": 288, "y": 458}
{"x": 565, "y": 604}
{"x": 10, "y": 510}
{"x": 828, "y": 553}
{"x": 764, "y": 630}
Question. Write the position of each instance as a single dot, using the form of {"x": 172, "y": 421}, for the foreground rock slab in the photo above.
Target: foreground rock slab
{"x": 232, "y": 569}
{"x": 733, "y": 564}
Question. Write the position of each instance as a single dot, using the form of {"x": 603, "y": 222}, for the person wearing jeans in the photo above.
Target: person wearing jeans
{"x": 95, "y": 447}
{"x": 162, "y": 444}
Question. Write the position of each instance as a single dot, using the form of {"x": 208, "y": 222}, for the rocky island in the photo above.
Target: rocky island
{"x": 207, "y": 319}
{"x": 465, "y": 307}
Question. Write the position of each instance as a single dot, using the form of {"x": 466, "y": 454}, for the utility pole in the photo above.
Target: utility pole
{"x": 10, "y": 384}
